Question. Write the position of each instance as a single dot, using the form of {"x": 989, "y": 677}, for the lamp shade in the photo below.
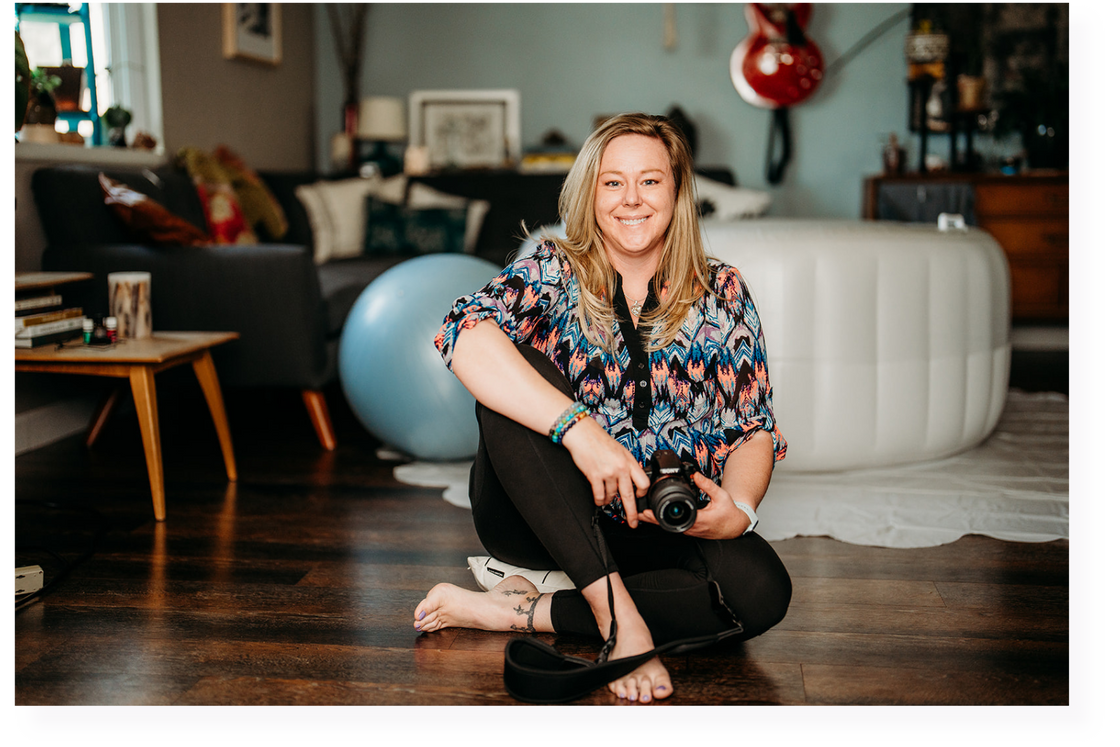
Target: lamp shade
{"x": 382, "y": 118}
{"x": 925, "y": 48}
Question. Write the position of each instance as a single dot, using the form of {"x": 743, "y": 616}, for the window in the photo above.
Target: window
{"x": 124, "y": 40}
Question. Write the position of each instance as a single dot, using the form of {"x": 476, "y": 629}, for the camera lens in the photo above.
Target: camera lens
{"x": 673, "y": 504}
{"x": 677, "y": 513}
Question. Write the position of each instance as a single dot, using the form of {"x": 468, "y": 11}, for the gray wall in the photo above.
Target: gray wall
{"x": 574, "y": 61}
{"x": 263, "y": 112}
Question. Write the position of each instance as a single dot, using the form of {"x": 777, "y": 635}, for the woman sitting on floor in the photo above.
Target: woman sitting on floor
{"x": 626, "y": 320}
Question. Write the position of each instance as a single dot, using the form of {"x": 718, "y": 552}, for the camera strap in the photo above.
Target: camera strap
{"x": 537, "y": 673}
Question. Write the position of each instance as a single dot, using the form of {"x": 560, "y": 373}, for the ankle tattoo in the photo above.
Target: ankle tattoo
{"x": 528, "y": 613}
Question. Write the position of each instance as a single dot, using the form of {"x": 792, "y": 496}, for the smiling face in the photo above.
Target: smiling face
{"x": 634, "y": 196}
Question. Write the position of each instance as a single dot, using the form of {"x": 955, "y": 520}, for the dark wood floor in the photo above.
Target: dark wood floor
{"x": 297, "y": 584}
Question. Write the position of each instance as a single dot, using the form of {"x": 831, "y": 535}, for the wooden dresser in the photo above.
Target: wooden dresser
{"x": 1028, "y": 215}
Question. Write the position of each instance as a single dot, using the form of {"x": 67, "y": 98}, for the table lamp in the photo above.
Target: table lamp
{"x": 381, "y": 121}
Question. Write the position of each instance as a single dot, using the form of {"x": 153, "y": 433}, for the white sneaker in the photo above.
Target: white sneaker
{"x": 488, "y": 572}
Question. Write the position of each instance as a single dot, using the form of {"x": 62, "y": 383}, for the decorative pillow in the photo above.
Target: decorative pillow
{"x": 723, "y": 202}
{"x": 421, "y": 196}
{"x": 259, "y": 206}
{"x": 337, "y": 213}
{"x": 219, "y": 201}
{"x": 399, "y": 229}
{"x": 147, "y": 220}
{"x": 397, "y": 190}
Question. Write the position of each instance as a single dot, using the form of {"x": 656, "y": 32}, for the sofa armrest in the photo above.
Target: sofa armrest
{"x": 269, "y": 293}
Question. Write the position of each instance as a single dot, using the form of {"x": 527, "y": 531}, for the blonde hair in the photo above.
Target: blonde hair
{"x": 684, "y": 264}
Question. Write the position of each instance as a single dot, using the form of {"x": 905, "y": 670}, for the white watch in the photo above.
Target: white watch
{"x": 745, "y": 508}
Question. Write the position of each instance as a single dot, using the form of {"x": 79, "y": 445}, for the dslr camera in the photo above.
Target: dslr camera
{"x": 672, "y": 496}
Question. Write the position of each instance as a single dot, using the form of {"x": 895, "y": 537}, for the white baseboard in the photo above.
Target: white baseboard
{"x": 54, "y": 422}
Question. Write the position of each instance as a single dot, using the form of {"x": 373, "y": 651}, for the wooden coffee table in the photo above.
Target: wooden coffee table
{"x": 139, "y": 361}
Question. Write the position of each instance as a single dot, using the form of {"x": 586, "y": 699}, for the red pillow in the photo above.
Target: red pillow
{"x": 259, "y": 206}
{"x": 224, "y": 216}
{"x": 147, "y": 220}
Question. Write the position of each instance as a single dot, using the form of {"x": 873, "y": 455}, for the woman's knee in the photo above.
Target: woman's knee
{"x": 754, "y": 583}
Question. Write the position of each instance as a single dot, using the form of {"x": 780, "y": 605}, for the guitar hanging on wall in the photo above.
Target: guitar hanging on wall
{"x": 777, "y": 66}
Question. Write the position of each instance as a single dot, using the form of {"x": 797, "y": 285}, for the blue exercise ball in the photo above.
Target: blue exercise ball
{"x": 391, "y": 373}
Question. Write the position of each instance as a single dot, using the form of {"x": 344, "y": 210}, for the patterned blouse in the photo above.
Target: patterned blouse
{"x": 700, "y": 397}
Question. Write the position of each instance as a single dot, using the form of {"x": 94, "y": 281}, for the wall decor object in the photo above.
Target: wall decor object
{"x": 467, "y": 129}
{"x": 775, "y": 67}
{"x": 251, "y": 31}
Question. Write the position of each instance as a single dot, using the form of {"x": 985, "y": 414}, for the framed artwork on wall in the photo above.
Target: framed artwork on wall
{"x": 251, "y": 31}
{"x": 466, "y": 129}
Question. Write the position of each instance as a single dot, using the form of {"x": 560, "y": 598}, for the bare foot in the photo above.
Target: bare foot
{"x": 514, "y": 604}
{"x": 648, "y": 682}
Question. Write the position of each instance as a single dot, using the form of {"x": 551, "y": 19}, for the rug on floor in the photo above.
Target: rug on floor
{"x": 1014, "y": 486}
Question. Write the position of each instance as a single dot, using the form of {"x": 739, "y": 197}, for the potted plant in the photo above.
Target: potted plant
{"x": 42, "y": 109}
{"x": 116, "y": 119}
{"x": 40, "y": 114}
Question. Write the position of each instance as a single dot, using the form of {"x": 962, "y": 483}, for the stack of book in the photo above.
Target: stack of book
{"x": 41, "y": 319}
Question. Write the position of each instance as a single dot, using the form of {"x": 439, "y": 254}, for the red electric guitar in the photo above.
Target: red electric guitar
{"x": 777, "y": 67}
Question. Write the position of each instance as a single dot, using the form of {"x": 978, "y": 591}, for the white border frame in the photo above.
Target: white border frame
{"x": 420, "y": 102}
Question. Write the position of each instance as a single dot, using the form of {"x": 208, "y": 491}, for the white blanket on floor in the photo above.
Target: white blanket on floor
{"x": 1014, "y": 486}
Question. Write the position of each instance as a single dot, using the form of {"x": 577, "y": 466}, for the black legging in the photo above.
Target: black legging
{"x": 533, "y": 508}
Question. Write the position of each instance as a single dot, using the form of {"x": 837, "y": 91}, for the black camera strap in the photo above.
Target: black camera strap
{"x": 537, "y": 673}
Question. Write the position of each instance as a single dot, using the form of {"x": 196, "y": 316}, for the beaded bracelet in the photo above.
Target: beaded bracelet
{"x": 575, "y": 413}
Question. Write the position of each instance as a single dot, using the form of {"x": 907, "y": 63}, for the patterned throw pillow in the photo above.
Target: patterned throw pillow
{"x": 420, "y": 219}
{"x": 147, "y": 220}
{"x": 224, "y": 218}
{"x": 406, "y": 218}
{"x": 259, "y": 206}
{"x": 401, "y": 229}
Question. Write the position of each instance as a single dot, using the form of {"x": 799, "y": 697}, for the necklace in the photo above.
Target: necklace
{"x": 635, "y": 306}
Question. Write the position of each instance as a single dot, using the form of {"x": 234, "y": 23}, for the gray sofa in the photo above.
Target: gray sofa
{"x": 288, "y": 311}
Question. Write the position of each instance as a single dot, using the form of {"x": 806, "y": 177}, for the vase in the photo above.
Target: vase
{"x": 970, "y": 93}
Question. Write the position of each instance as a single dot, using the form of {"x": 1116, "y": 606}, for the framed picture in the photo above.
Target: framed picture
{"x": 466, "y": 129}
{"x": 251, "y": 31}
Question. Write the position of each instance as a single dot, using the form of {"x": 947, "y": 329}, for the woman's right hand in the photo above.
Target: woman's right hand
{"x": 608, "y": 465}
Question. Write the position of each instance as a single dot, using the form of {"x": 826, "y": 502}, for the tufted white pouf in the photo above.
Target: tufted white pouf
{"x": 887, "y": 342}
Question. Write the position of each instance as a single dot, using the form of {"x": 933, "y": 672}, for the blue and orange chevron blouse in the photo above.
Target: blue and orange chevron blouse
{"x": 701, "y": 396}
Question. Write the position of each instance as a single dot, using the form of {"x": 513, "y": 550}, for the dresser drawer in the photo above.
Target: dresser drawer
{"x": 1028, "y": 236}
{"x": 1039, "y": 289}
{"x": 1021, "y": 199}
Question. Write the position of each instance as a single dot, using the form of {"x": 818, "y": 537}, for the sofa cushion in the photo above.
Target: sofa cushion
{"x": 337, "y": 212}
{"x": 342, "y": 281}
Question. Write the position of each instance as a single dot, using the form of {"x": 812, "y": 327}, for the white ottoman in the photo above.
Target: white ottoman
{"x": 887, "y": 342}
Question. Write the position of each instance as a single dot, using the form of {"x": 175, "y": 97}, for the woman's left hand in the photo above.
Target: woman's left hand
{"x": 720, "y": 519}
